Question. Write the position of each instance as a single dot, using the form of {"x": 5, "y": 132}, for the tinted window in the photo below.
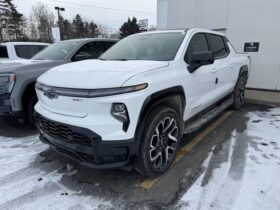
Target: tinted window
{"x": 157, "y": 47}
{"x": 3, "y": 52}
{"x": 57, "y": 51}
{"x": 217, "y": 45}
{"x": 90, "y": 50}
{"x": 28, "y": 51}
{"x": 198, "y": 43}
{"x": 108, "y": 45}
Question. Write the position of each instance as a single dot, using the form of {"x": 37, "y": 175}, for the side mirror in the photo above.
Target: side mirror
{"x": 199, "y": 59}
{"x": 81, "y": 57}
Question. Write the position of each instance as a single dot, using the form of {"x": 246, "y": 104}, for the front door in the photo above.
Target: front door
{"x": 201, "y": 82}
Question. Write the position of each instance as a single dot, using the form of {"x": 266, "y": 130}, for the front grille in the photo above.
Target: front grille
{"x": 61, "y": 132}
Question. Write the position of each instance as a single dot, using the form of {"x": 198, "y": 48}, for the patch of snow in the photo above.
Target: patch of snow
{"x": 252, "y": 187}
{"x": 23, "y": 185}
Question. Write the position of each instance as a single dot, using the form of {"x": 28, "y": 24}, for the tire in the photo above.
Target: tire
{"x": 29, "y": 110}
{"x": 239, "y": 92}
{"x": 159, "y": 142}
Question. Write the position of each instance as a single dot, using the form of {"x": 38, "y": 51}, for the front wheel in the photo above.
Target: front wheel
{"x": 29, "y": 110}
{"x": 160, "y": 141}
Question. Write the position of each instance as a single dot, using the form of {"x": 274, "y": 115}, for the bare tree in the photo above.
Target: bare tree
{"x": 43, "y": 20}
{"x": 103, "y": 31}
{"x": 32, "y": 29}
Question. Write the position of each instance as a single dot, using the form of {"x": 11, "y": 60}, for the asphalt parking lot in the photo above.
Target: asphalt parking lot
{"x": 35, "y": 177}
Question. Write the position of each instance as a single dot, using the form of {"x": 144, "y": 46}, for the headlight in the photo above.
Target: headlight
{"x": 7, "y": 82}
{"x": 119, "y": 111}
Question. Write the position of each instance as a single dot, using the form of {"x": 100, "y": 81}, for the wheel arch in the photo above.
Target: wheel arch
{"x": 244, "y": 70}
{"x": 27, "y": 92}
{"x": 173, "y": 97}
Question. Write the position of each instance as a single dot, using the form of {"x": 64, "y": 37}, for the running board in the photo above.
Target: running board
{"x": 198, "y": 123}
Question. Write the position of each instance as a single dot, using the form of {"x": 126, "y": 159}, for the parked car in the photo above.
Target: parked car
{"x": 12, "y": 51}
{"x": 17, "y": 81}
{"x": 132, "y": 106}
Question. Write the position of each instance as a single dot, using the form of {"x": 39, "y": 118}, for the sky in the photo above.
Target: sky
{"x": 111, "y": 13}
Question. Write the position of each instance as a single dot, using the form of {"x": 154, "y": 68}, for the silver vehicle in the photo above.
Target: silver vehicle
{"x": 17, "y": 80}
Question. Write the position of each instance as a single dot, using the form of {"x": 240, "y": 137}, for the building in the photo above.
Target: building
{"x": 251, "y": 25}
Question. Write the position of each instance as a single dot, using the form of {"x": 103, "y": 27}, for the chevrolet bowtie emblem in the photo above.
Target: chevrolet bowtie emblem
{"x": 50, "y": 94}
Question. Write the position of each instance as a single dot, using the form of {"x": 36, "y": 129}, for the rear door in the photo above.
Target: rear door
{"x": 221, "y": 66}
{"x": 201, "y": 83}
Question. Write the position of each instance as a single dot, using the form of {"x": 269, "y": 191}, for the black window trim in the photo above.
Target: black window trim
{"x": 225, "y": 44}
{"x": 203, "y": 33}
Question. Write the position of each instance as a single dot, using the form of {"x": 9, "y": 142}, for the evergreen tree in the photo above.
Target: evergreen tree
{"x": 78, "y": 27}
{"x": 129, "y": 27}
{"x": 93, "y": 30}
{"x": 67, "y": 29}
{"x": 11, "y": 21}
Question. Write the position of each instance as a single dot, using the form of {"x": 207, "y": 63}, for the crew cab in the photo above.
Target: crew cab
{"x": 17, "y": 80}
{"x": 131, "y": 107}
{"x": 18, "y": 51}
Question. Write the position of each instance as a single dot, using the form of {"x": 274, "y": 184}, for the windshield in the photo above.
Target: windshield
{"x": 155, "y": 47}
{"x": 57, "y": 51}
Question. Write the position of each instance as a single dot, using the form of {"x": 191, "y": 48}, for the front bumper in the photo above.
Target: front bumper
{"x": 6, "y": 109}
{"x": 85, "y": 146}
{"x": 5, "y": 103}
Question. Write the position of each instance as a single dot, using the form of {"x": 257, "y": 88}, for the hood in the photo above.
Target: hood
{"x": 94, "y": 74}
{"x": 28, "y": 66}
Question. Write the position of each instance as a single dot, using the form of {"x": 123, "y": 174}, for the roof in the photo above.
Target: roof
{"x": 24, "y": 43}
{"x": 182, "y": 31}
{"x": 91, "y": 39}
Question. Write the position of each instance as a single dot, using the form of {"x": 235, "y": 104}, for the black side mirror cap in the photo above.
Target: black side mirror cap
{"x": 204, "y": 58}
{"x": 199, "y": 59}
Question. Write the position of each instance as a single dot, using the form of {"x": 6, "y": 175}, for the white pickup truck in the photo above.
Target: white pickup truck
{"x": 12, "y": 51}
{"x": 132, "y": 106}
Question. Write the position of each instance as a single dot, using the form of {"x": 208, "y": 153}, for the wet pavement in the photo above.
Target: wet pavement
{"x": 33, "y": 175}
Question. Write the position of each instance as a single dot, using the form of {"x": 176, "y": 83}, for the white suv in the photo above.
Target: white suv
{"x": 132, "y": 105}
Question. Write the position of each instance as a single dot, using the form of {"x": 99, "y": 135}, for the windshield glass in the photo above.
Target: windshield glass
{"x": 156, "y": 47}
{"x": 57, "y": 51}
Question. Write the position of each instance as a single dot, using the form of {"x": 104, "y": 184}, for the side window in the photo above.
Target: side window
{"x": 108, "y": 45}
{"x": 3, "y": 52}
{"x": 198, "y": 43}
{"x": 217, "y": 45}
{"x": 91, "y": 50}
{"x": 27, "y": 51}
{"x": 226, "y": 41}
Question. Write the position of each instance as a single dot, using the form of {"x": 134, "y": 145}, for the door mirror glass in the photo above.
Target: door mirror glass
{"x": 198, "y": 59}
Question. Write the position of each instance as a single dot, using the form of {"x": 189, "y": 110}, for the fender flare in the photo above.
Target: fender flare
{"x": 155, "y": 99}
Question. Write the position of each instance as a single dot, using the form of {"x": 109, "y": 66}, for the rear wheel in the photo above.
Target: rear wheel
{"x": 160, "y": 141}
{"x": 239, "y": 92}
